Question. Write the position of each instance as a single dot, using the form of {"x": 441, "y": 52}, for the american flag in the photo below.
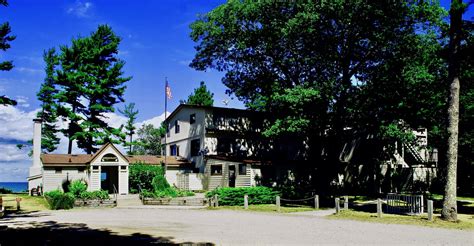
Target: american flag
{"x": 168, "y": 90}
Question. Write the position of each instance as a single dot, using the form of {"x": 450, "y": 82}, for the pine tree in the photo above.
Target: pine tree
{"x": 48, "y": 113}
{"x": 201, "y": 96}
{"x": 5, "y": 39}
{"x": 104, "y": 87}
{"x": 130, "y": 112}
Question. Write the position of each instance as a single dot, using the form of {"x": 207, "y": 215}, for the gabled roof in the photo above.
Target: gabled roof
{"x": 85, "y": 159}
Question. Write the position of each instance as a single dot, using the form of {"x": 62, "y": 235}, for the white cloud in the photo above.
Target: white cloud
{"x": 80, "y": 9}
{"x": 11, "y": 153}
{"x": 16, "y": 123}
{"x": 22, "y": 101}
{"x": 28, "y": 70}
{"x": 184, "y": 62}
{"x": 155, "y": 121}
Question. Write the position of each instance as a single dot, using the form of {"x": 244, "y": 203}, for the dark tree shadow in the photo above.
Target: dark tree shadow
{"x": 53, "y": 233}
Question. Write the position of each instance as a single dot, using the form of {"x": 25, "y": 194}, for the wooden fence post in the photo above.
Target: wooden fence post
{"x": 216, "y": 200}
{"x": 346, "y": 202}
{"x": 278, "y": 203}
{"x": 430, "y": 210}
{"x": 316, "y": 202}
{"x": 379, "y": 208}
{"x": 338, "y": 208}
{"x": 246, "y": 201}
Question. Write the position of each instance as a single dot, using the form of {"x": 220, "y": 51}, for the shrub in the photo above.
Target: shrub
{"x": 77, "y": 187}
{"x": 142, "y": 174}
{"x": 5, "y": 191}
{"x": 160, "y": 183}
{"x": 59, "y": 200}
{"x": 98, "y": 194}
{"x": 235, "y": 196}
{"x": 148, "y": 194}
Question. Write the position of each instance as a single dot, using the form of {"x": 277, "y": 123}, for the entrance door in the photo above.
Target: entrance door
{"x": 109, "y": 179}
{"x": 231, "y": 175}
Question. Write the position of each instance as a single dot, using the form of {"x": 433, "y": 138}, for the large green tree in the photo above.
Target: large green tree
{"x": 131, "y": 113}
{"x": 306, "y": 62}
{"x": 46, "y": 95}
{"x": 5, "y": 39}
{"x": 201, "y": 96}
{"x": 90, "y": 82}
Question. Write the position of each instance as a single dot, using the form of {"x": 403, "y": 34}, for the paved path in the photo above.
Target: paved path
{"x": 144, "y": 225}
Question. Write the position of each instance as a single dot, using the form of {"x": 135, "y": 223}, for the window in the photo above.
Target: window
{"x": 58, "y": 170}
{"x": 109, "y": 158}
{"x": 168, "y": 130}
{"x": 123, "y": 167}
{"x": 95, "y": 167}
{"x": 224, "y": 146}
{"x": 216, "y": 170}
{"x": 176, "y": 126}
{"x": 195, "y": 147}
{"x": 173, "y": 150}
{"x": 192, "y": 119}
{"x": 242, "y": 169}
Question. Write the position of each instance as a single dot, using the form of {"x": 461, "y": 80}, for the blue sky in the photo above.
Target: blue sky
{"x": 155, "y": 45}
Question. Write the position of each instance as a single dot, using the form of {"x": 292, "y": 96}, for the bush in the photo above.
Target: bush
{"x": 77, "y": 187}
{"x": 5, "y": 191}
{"x": 148, "y": 194}
{"x": 59, "y": 200}
{"x": 92, "y": 195}
{"x": 142, "y": 174}
{"x": 235, "y": 196}
{"x": 160, "y": 183}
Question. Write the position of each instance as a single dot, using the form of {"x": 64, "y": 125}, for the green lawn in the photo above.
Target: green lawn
{"x": 27, "y": 204}
{"x": 266, "y": 208}
{"x": 460, "y": 198}
{"x": 466, "y": 222}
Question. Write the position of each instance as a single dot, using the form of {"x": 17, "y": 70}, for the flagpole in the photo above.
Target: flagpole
{"x": 166, "y": 125}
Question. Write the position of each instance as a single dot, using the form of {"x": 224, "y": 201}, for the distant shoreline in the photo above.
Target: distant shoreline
{"x": 15, "y": 186}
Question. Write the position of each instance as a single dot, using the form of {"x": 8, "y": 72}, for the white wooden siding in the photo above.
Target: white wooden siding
{"x": 53, "y": 180}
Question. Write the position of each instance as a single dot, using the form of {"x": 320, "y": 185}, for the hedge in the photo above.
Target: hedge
{"x": 235, "y": 196}
{"x": 142, "y": 174}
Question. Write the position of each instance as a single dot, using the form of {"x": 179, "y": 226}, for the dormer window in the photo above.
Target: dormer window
{"x": 109, "y": 158}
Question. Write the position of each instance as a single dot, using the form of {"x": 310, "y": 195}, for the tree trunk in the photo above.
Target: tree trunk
{"x": 449, "y": 211}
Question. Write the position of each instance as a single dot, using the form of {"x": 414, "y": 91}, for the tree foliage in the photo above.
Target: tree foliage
{"x": 310, "y": 63}
{"x": 201, "y": 96}
{"x": 130, "y": 112}
{"x": 149, "y": 140}
{"x": 5, "y": 39}
{"x": 89, "y": 81}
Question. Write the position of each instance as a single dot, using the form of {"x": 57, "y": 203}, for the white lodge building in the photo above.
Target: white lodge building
{"x": 107, "y": 169}
{"x": 221, "y": 143}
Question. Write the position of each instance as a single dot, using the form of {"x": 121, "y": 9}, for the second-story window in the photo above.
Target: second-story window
{"x": 176, "y": 126}
{"x": 195, "y": 147}
{"x": 192, "y": 118}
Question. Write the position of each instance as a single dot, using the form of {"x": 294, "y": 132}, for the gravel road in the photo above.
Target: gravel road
{"x": 222, "y": 227}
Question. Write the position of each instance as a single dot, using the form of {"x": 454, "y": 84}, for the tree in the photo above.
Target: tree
{"x": 149, "y": 140}
{"x": 305, "y": 62}
{"x": 91, "y": 82}
{"x": 449, "y": 211}
{"x": 201, "y": 96}
{"x": 5, "y": 39}
{"x": 131, "y": 114}
{"x": 46, "y": 96}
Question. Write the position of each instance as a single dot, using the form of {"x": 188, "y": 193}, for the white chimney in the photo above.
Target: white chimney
{"x": 37, "y": 143}
{"x": 35, "y": 178}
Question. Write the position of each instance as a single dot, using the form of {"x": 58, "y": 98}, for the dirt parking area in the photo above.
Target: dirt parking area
{"x": 143, "y": 226}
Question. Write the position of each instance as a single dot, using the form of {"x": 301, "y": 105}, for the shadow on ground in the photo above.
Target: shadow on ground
{"x": 53, "y": 233}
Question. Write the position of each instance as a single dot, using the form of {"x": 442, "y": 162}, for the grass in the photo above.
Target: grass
{"x": 27, "y": 204}
{"x": 266, "y": 208}
{"x": 465, "y": 221}
{"x": 462, "y": 198}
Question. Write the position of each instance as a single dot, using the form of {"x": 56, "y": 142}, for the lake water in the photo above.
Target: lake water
{"x": 15, "y": 186}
